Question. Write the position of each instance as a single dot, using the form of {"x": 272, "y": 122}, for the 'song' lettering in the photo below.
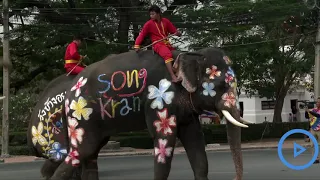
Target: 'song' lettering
{"x": 105, "y": 82}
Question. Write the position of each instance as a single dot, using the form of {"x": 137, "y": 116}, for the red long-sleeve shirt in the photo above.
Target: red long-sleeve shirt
{"x": 157, "y": 30}
{"x": 72, "y": 52}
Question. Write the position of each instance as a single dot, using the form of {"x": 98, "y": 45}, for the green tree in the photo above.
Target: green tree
{"x": 41, "y": 29}
{"x": 269, "y": 42}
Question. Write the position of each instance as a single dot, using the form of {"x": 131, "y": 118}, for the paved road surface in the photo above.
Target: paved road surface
{"x": 258, "y": 164}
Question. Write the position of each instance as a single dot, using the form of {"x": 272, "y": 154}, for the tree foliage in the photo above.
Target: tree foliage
{"x": 270, "y": 43}
{"x": 253, "y": 33}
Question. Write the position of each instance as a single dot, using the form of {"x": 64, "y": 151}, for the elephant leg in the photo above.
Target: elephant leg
{"x": 192, "y": 138}
{"x": 48, "y": 168}
{"x": 75, "y": 158}
{"x": 64, "y": 172}
{"x": 164, "y": 148}
{"x": 234, "y": 139}
{"x": 90, "y": 169}
{"x": 162, "y": 127}
{"x": 77, "y": 173}
{"x": 90, "y": 166}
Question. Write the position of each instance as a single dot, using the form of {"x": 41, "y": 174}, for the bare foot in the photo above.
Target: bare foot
{"x": 175, "y": 79}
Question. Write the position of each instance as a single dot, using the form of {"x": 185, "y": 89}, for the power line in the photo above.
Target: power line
{"x": 223, "y": 46}
{"x": 135, "y": 7}
{"x": 106, "y": 8}
{"x": 186, "y": 22}
{"x": 196, "y": 25}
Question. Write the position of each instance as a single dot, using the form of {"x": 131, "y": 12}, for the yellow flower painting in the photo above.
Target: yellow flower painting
{"x": 80, "y": 110}
{"x": 37, "y": 135}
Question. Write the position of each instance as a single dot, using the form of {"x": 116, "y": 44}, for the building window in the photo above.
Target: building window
{"x": 265, "y": 105}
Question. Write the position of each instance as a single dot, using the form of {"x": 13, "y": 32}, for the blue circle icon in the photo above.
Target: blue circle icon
{"x": 295, "y": 131}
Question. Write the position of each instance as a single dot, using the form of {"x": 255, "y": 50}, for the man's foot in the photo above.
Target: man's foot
{"x": 316, "y": 161}
{"x": 175, "y": 79}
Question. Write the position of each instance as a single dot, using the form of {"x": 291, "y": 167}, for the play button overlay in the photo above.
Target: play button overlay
{"x": 298, "y": 149}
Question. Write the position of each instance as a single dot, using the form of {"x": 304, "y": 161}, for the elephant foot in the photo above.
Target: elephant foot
{"x": 64, "y": 172}
{"x": 90, "y": 174}
{"x": 48, "y": 168}
{"x": 202, "y": 178}
{"x": 77, "y": 174}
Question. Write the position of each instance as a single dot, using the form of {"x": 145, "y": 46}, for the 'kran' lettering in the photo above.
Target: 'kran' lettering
{"x": 126, "y": 105}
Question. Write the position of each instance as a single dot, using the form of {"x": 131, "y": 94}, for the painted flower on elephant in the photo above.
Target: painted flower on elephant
{"x": 80, "y": 110}
{"x": 229, "y": 75}
{"x": 74, "y": 134}
{"x": 66, "y": 105}
{"x": 213, "y": 72}
{"x": 208, "y": 89}
{"x": 160, "y": 94}
{"x": 73, "y": 157}
{"x": 37, "y": 135}
{"x": 161, "y": 151}
{"x": 165, "y": 123}
{"x": 81, "y": 82}
{"x": 57, "y": 152}
{"x": 229, "y": 98}
{"x": 227, "y": 59}
{"x": 229, "y": 78}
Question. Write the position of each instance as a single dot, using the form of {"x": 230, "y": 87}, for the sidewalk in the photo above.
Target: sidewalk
{"x": 264, "y": 144}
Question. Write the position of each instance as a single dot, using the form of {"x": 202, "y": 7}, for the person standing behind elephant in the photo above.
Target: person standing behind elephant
{"x": 159, "y": 28}
{"x": 72, "y": 57}
{"x": 314, "y": 116}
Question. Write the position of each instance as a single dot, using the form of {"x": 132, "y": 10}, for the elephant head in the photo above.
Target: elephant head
{"x": 208, "y": 74}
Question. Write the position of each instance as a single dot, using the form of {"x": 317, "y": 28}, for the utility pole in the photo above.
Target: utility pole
{"x": 317, "y": 61}
{"x": 6, "y": 82}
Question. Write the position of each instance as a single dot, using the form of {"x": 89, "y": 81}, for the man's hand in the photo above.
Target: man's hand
{"x": 82, "y": 57}
{"x": 137, "y": 49}
{"x": 306, "y": 109}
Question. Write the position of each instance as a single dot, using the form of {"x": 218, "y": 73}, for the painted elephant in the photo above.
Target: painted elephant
{"x": 47, "y": 132}
{"x": 131, "y": 91}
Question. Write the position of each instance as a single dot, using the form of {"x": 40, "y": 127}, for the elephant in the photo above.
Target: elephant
{"x": 131, "y": 91}
{"x": 47, "y": 132}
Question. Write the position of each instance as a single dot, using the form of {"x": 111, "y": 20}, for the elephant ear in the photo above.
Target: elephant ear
{"x": 188, "y": 65}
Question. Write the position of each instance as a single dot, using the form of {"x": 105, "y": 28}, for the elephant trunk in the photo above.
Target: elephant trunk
{"x": 234, "y": 139}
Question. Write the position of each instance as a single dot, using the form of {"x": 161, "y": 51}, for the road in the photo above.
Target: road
{"x": 258, "y": 164}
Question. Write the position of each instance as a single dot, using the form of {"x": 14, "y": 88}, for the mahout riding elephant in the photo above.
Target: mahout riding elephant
{"x": 131, "y": 91}
{"x": 47, "y": 132}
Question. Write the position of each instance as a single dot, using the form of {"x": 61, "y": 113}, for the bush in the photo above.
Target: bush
{"x": 20, "y": 150}
{"x": 212, "y": 134}
{"x": 17, "y": 138}
{"x": 21, "y": 106}
{"x": 218, "y": 133}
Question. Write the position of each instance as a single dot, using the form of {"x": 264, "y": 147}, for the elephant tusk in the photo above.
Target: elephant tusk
{"x": 2, "y": 97}
{"x": 246, "y": 121}
{"x": 232, "y": 120}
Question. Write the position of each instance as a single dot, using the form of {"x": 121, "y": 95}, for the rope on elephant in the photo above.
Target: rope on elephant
{"x": 157, "y": 41}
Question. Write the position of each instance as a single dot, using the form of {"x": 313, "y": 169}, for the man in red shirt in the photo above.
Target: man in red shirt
{"x": 72, "y": 57}
{"x": 158, "y": 28}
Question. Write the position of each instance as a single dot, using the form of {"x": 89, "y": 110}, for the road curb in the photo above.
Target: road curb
{"x": 223, "y": 149}
{"x": 178, "y": 151}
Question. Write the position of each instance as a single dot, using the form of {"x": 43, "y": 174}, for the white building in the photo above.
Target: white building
{"x": 257, "y": 110}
